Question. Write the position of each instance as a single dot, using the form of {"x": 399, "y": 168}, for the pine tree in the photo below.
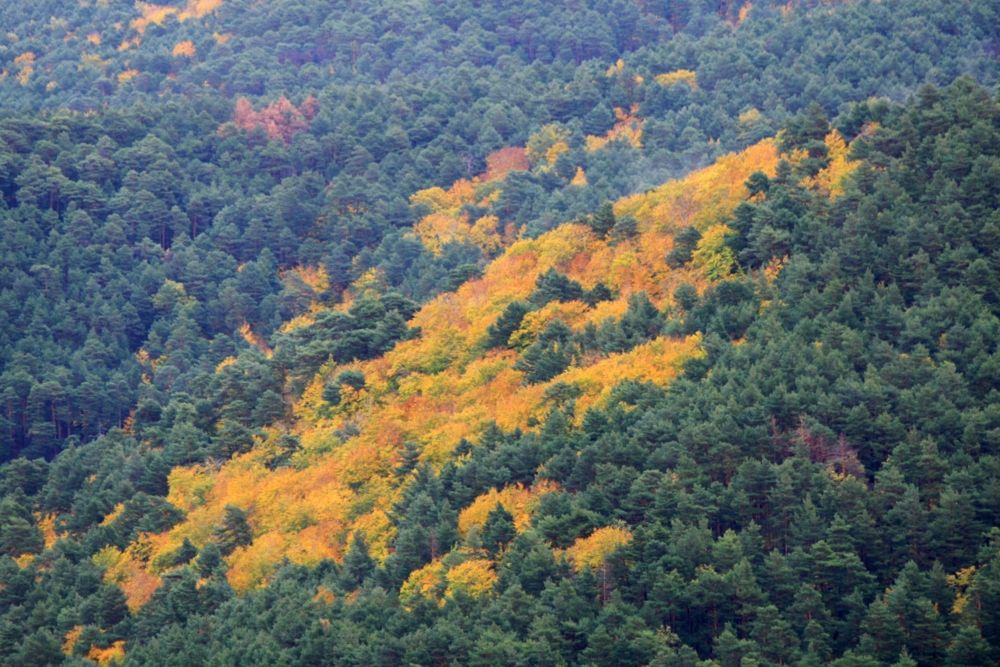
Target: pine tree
{"x": 358, "y": 564}
{"x": 498, "y": 530}
{"x": 234, "y": 531}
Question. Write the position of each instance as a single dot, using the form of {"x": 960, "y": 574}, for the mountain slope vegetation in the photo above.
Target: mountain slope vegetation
{"x": 466, "y": 333}
{"x": 431, "y": 394}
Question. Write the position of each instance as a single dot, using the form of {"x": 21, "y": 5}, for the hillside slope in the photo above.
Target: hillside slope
{"x": 817, "y": 486}
{"x": 433, "y": 392}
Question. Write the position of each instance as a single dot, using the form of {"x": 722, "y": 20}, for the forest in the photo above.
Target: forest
{"x": 463, "y": 333}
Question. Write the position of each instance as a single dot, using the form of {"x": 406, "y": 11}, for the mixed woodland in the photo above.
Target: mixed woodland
{"x": 485, "y": 333}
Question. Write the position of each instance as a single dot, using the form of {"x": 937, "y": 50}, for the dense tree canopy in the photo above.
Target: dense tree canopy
{"x": 242, "y": 241}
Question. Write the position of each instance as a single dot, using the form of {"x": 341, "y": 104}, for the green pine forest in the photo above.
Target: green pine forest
{"x": 213, "y": 240}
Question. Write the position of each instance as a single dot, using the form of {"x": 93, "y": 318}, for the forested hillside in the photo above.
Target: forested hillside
{"x": 600, "y": 333}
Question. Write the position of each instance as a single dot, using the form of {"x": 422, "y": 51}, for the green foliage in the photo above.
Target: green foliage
{"x": 498, "y": 530}
{"x": 234, "y": 531}
{"x": 509, "y": 321}
{"x": 603, "y": 220}
{"x": 554, "y": 286}
{"x": 684, "y": 244}
{"x": 549, "y": 355}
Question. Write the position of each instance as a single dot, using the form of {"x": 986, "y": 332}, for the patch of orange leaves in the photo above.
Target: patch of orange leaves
{"x": 129, "y": 570}
{"x": 475, "y": 577}
{"x": 831, "y": 179}
{"x": 678, "y": 76}
{"x": 109, "y": 655}
{"x": 69, "y": 639}
{"x": 47, "y": 524}
{"x": 154, "y": 13}
{"x": 501, "y": 162}
{"x": 253, "y": 338}
{"x": 184, "y": 49}
{"x": 280, "y": 119}
{"x": 627, "y": 127}
{"x": 517, "y": 500}
{"x": 25, "y": 64}
{"x": 593, "y": 550}
{"x": 446, "y": 222}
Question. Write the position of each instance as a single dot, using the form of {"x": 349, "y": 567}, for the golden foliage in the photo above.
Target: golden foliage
{"x": 47, "y": 524}
{"x": 151, "y": 13}
{"x": 441, "y": 387}
{"x": 128, "y": 570}
{"x": 127, "y": 75}
{"x": 743, "y": 13}
{"x": 94, "y": 38}
{"x": 774, "y": 267}
{"x": 545, "y": 146}
{"x": 580, "y": 178}
{"x": 554, "y": 151}
{"x": 658, "y": 361}
{"x": 184, "y": 49}
{"x": 224, "y": 364}
{"x": 475, "y": 577}
{"x": 712, "y": 254}
{"x": 750, "y": 116}
{"x": 377, "y": 529}
{"x": 960, "y": 582}
{"x": 154, "y": 13}
{"x": 446, "y": 223}
{"x": 69, "y": 639}
{"x": 628, "y": 127}
{"x": 110, "y": 655}
{"x": 113, "y": 514}
{"x": 425, "y": 582}
{"x": 831, "y": 179}
{"x": 25, "y": 64}
{"x": 437, "y": 581}
{"x": 311, "y": 281}
{"x": 250, "y": 566}
{"x": 314, "y": 277}
{"x": 678, "y": 76}
{"x": 91, "y": 60}
{"x": 593, "y": 550}
{"x": 517, "y": 500}
{"x": 704, "y": 197}
{"x": 254, "y": 339}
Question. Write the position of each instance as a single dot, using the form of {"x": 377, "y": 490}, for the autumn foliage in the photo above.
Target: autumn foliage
{"x": 679, "y": 76}
{"x": 517, "y": 500}
{"x": 443, "y": 387}
{"x": 156, "y": 13}
{"x": 593, "y": 550}
{"x": 627, "y": 127}
{"x": 438, "y": 581}
{"x": 279, "y": 120}
{"x": 185, "y": 49}
{"x": 501, "y": 162}
{"x": 445, "y": 221}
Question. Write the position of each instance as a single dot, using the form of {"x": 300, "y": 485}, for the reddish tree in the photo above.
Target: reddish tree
{"x": 280, "y": 120}
{"x": 501, "y": 162}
